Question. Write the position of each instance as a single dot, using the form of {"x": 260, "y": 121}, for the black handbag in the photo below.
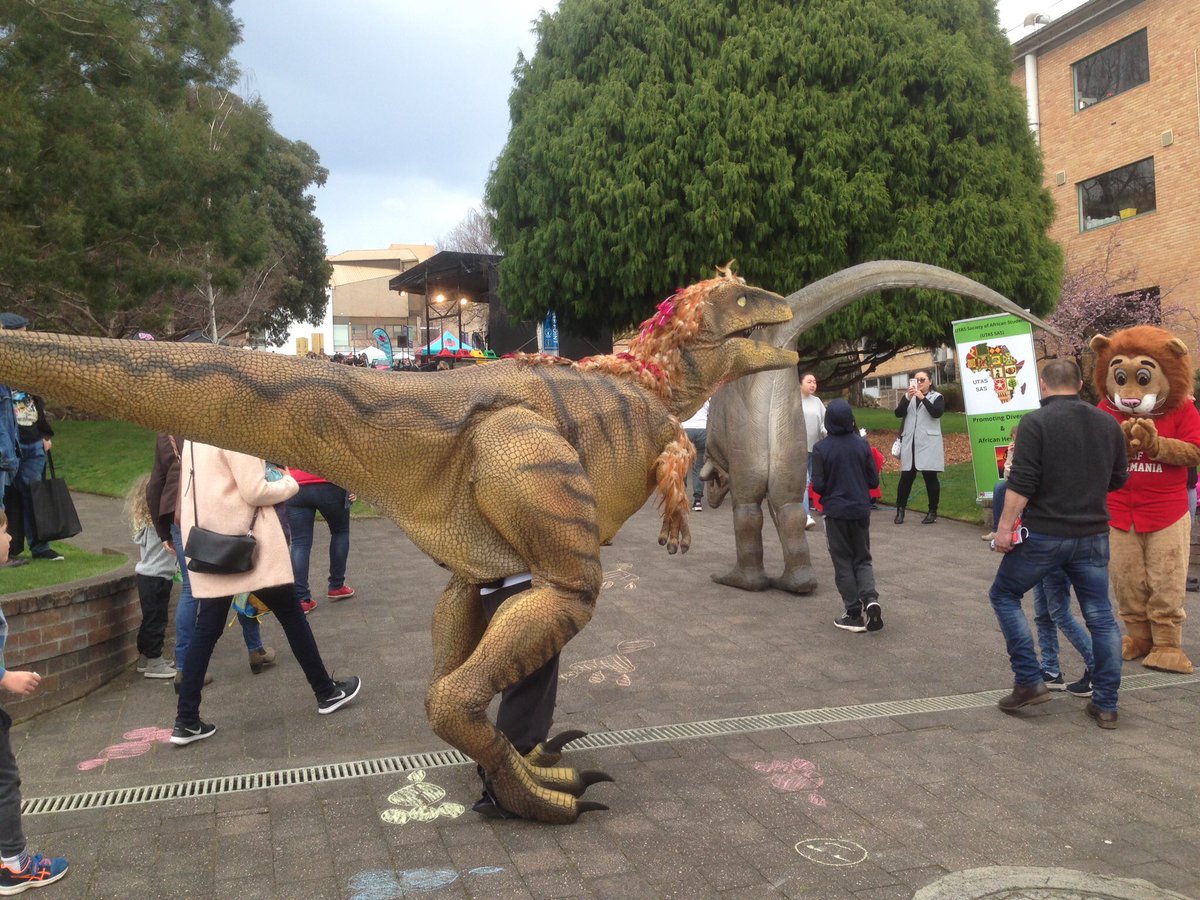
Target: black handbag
{"x": 214, "y": 553}
{"x": 54, "y": 516}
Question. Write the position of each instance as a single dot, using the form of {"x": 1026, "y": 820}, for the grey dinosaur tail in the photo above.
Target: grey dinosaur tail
{"x": 821, "y": 299}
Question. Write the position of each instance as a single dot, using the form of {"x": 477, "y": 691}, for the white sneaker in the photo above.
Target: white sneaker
{"x": 811, "y": 524}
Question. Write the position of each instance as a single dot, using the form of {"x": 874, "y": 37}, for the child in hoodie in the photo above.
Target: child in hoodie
{"x": 843, "y": 474}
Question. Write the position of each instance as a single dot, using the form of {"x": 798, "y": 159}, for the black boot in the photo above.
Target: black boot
{"x": 930, "y": 517}
{"x": 899, "y": 520}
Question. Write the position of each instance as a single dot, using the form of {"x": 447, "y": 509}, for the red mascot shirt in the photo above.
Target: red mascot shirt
{"x": 1155, "y": 495}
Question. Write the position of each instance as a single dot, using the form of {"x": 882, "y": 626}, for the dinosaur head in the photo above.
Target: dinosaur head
{"x": 710, "y": 333}
{"x": 732, "y": 331}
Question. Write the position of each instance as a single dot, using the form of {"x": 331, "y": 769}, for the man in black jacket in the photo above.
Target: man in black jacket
{"x": 1069, "y": 457}
{"x": 844, "y": 472}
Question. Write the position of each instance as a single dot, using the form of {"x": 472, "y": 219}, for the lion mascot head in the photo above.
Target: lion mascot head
{"x": 1142, "y": 371}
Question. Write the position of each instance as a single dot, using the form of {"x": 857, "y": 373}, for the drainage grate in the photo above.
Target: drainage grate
{"x": 257, "y": 781}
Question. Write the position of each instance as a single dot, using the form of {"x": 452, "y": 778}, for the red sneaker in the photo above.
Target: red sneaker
{"x": 345, "y": 592}
{"x": 308, "y": 606}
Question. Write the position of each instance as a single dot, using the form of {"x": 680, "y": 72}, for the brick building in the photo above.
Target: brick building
{"x": 1113, "y": 90}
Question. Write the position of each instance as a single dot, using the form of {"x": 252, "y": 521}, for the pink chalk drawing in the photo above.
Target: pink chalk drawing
{"x": 617, "y": 663}
{"x": 137, "y": 742}
{"x": 622, "y": 575}
{"x": 797, "y": 776}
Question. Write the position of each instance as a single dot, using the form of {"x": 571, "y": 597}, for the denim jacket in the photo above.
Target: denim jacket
{"x": 10, "y": 446}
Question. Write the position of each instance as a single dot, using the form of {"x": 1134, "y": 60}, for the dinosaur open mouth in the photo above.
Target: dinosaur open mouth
{"x": 747, "y": 332}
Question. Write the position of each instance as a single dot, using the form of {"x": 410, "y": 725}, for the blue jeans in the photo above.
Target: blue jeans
{"x": 210, "y": 625}
{"x": 186, "y": 611}
{"x": 334, "y": 505}
{"x": 807, "y": 480}
{"x": 1051, "y": 614}
{"x": 1084, "y": 560}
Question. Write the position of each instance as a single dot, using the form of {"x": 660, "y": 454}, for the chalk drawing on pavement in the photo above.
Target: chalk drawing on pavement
{"x": 794, "y": 776}
{"x": 137, "y": 742}
{"x": 615, "y": 664}
{"x": 622, "y": 576}
{"x": 380, "y": 884}
{"x": 415, "y": 802}
{"x": 832, "y": 851}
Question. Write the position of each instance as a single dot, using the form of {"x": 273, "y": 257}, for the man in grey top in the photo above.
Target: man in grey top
{"x": 1069, "y": 457}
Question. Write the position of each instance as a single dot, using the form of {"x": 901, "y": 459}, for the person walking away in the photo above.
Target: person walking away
{"x": 225, "y": 490}
{"x": 155, "y": 570}
{"x": 844, "y": 472}
{"x": 697, "y": 431}
{"x": 34, "y": 437}
{"x": 19, "y": 869}
{"x": 162, "y": 497}
{"x": 921, "y": 446}
{"x": 1070, "y": 456}
{"x": 333, "y": 503}
{"x": 814, "y": 429}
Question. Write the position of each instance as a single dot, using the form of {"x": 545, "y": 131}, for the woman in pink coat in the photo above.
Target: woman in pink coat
{"x": 223, "y": 490}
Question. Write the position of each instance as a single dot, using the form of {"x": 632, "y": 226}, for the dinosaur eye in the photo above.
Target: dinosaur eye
{"x": 1120, "y": 377}
{"x": 1143, "y": 377}
{"x": 741, "y": 301}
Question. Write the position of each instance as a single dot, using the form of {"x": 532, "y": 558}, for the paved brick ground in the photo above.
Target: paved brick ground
{"x": 922, "y": 795}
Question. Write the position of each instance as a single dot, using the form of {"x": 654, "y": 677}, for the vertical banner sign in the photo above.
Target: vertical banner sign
{"x": 550, "y": 334}
{"x": 999, "y": 377}
{"x": 385, "y": 344}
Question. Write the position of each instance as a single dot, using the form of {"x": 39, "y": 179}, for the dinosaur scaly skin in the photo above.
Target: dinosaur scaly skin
{"x": 757, "y": 443}
{"x": 519, "y": 465}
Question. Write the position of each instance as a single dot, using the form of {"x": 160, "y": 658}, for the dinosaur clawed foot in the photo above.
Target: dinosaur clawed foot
{"x": 796, "y": 581}
{"x": 546, "y": 795}
{"x": 549, "y": 751}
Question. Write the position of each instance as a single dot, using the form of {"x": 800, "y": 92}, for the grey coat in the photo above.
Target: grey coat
{"x": 921, "y": 434}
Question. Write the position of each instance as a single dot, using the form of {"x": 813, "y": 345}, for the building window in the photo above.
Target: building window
{"x": 341, "y": 338}
{"x": 1108, "y": 72}
{"x": 1120, "y": 194}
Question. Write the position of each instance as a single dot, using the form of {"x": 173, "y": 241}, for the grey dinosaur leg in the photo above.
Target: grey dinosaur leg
{"x": 798, "y": 576}
{"x": 748, "y": 574}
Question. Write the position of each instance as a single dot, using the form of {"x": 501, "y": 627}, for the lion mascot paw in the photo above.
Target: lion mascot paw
{"x": 1144, "y": 377}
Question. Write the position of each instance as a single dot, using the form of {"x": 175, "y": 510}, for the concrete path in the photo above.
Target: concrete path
{"x": 757, "y": 750}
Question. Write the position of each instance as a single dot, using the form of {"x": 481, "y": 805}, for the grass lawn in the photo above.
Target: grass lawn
{"x": 958, "y": 494}
{"x": 885, "y": 420}
{"x": 78, "y": 564}
{"x": 106, "y": 458}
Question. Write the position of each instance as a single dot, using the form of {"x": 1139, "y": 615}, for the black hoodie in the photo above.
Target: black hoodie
{"x": 843, "y": 469}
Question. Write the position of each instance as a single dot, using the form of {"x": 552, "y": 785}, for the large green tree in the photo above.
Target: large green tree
{"x": 136, "y": 190}
{"x": 650, "y": 141}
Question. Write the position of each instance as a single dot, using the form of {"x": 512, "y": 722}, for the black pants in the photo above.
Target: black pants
{"x": 12, "y": 840}
{"x": 850, "y": 549}
{"x": 527, "y": 707}
{"x": 155, "y": 596}
{"x": 210, "y": 624}
{"x": 932, "y": 487}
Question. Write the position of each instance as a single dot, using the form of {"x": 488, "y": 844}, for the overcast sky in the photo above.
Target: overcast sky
{"x": 407, "y": 102}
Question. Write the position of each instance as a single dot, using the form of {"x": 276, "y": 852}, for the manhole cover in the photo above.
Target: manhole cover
{"x": 1015, "y": 883}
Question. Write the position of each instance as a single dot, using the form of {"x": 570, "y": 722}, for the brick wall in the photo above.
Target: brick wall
{"x": 77, "y": 636}
{"x": 1161, "y": 245}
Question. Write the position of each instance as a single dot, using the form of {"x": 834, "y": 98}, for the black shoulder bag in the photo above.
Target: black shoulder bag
{"x": 211, "y": 552}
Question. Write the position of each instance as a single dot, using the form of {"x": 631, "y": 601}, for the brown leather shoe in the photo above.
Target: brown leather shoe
{"x": 1024, "y": 695}
{"x": 1103, "y": 719}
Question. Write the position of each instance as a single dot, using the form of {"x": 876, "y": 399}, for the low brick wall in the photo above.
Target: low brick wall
{"x": 77, "y": 636}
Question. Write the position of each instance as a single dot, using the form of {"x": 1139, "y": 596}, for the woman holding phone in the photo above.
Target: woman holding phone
{"x": 921, "y": 447}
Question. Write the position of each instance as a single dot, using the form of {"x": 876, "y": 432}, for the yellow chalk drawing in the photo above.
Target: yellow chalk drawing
{"x": 415, "y": 802}
{"x": 617, "y": 663}
{"x": 622, "y": 575}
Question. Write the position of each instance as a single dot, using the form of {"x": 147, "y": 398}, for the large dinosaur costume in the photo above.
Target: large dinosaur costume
{"x": 757, "y": 443}
{"x": 519, "y": 465}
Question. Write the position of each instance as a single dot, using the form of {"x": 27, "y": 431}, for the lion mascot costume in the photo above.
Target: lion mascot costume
{"x": 1144, "y": 377}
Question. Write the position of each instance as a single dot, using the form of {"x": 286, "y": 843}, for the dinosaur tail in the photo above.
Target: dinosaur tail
{"x": 207, "y": 393}
{"x": 821, "y": 299}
